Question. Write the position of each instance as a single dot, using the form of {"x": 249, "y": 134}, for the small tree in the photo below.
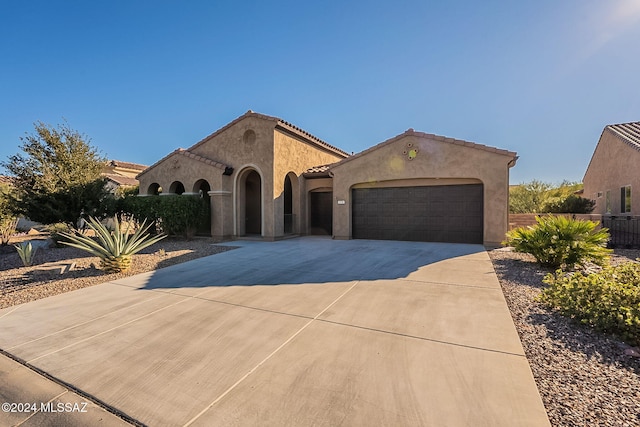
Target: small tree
{"x": 529, "y": 197}
{"x": 58, "y": 175}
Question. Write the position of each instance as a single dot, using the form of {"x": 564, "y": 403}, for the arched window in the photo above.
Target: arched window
{"x": 176, "y": 188}
{"x": 154, "y": 189}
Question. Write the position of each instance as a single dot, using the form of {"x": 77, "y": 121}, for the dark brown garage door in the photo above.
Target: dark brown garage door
{"x": 444, "y": 213}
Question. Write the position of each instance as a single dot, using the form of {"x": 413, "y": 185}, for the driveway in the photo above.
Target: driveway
{"x": 307, "y": 331}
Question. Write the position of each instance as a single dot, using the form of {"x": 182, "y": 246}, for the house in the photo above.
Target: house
{"x": 612, "y": 174}
{"x": 121, "y": 174}
{"x": 268, "y": 178}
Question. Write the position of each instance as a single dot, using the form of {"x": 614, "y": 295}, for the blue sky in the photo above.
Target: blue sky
{"x": 141, "y": 78}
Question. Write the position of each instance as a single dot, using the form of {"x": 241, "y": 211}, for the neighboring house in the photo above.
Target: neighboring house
{"x": 266, "y": 177}
{"x": 121, "y": 174}
{"x": 613, "y": 174}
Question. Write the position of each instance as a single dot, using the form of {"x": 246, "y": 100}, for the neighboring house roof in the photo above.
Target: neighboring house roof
{"x": 628, "y": 132}
{"x": 127, "y": 165}
{"x": 282, "y": 125}
{"x": 120, "y": 179}
{"x": 411, "y": 132}
{"x": 189, "y": 154}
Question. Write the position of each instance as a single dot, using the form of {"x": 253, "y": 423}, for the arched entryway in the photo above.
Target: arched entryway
{"x": 291, "y": 203}
{"x": 201, "y": 187}
{"x": 249, "y": 203}
{"x": 288, "y": 206}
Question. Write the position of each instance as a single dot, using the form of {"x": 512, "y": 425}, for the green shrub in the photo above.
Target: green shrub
{"x": 608, "y": 300}
{"x": 175, "y": 215}
{"x": 571, "y": 204}
{"x": 55, "y": 231}
{"x": 561, "y": 242}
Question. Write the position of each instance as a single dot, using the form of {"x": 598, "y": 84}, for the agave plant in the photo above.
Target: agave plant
{"x": 26, "y": 251}
{"x": 114, "y": 248}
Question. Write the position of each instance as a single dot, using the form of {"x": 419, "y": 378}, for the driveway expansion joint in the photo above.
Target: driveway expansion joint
{"x": 400, "y": 334}
{"x": 252, "y": 370}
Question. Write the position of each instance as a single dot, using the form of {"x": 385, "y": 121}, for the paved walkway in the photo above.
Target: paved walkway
{"x": 307, "y": 331}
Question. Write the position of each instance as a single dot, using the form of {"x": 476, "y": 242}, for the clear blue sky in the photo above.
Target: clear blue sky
{"x": 142, "y": 78}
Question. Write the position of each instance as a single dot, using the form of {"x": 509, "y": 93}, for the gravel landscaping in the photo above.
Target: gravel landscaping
{"x": 585, "y": 378}
{"x": 59, "y": 270}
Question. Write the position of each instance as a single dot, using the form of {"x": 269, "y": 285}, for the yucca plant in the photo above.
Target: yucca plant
{"x": 558, "y": 241}
{"x": 26, "y": 251}
{"x": 114, "y": 248}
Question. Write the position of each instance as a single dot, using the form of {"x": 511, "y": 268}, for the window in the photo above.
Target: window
{"x": 607, "y": 202}
{"x": 625, "y": 199}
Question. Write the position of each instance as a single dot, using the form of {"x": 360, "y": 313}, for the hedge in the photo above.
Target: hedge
{"x": 172, "y": 214}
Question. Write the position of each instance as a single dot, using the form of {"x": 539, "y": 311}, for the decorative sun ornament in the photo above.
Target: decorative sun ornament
{"x": 410, "y": 151}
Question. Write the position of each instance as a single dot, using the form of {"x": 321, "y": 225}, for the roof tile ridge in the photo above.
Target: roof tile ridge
{"x": 623, "y": 137}
{"x": 285, "y": 124}
{"x": 200, "y": 158}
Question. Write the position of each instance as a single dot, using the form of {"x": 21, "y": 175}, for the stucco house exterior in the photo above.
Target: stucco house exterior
{"x": 613, "y": 172}
{"x": 270, "y": 179}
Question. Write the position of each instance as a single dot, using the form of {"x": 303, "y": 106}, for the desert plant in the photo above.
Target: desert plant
{"x": 27, "y": 252}
{"x": 7, "y": 229}
{"x": 56, "y": 230}
{"x": 558, "y": 241}
{"x": 116, "y": 247}
{"x": 608, "y": 300}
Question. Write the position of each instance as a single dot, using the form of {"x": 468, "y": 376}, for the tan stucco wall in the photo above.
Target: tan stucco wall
{"x": 180, "y": 168}
{"x": 229, "y": 147}
{"x": 435, "y": 159}
{"x": 292, "y": 154}
{"x": 272, "y": 153}
{"x": 614, "y": 164}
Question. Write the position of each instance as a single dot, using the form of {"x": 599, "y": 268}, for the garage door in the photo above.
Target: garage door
{"x": 444, "y": 213}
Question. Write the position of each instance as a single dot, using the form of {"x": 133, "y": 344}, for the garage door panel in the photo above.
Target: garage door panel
{"x": 452, "y": 213}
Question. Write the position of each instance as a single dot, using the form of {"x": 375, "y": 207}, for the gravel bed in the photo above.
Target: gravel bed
{"x": 20, "y": 284}
{"x": 584, "y": 376}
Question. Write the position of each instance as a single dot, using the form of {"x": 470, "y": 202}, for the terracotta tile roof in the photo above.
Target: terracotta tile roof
{"x": 288, "y": 126}
{"x": 628, "y": 132}
{"x": 121, "y": 180}
{"x": 317, "y": 171}
{"x": 189, "y": 154}
{"x": 127, "y": 165}
{"x": 411, "y": 132}
{"x": 202, "y": 159}
{"x": 282, "y": 124}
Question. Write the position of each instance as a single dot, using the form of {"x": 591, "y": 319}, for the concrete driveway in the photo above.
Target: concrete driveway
{"x": 307, "y": 331}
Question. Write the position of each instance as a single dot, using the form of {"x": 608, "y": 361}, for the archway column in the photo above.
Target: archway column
{"x": 221, "y": 214}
